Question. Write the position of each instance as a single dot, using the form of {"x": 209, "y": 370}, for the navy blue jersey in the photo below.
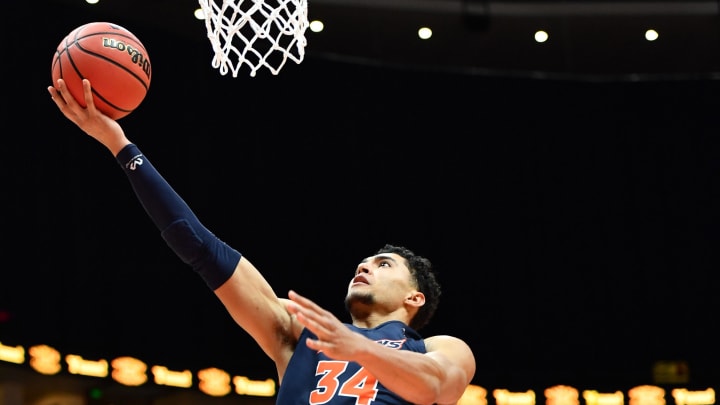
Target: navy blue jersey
{"x": 313, "y": 378}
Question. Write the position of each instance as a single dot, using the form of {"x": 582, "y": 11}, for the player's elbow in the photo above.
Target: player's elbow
{"x": 452, "y": 387}
{"x": 432, "y": 390}
{"x": 428, "y": 395}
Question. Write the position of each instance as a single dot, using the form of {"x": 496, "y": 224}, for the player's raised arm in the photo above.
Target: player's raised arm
{"x": 243, "y": 290}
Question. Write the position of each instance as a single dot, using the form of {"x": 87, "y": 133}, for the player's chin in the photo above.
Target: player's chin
{"x": 358, "y": 294}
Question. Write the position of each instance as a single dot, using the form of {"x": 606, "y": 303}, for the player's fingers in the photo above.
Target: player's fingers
{"x": 62, "y": 89}
{"x": 305, "y": 302}
{"x": 307, "y": 321}
{"x": 311, "y": 310}
{"x": 305, "y": 315}
{"x": 87, "y": 92}
{"x": 314, "y": 344}
{"x": 56, "y": 97}
{"x": 315, "y": 322}
{"x": 61, "y": 101}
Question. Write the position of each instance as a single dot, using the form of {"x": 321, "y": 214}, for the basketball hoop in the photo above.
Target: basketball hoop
{"x": 258, "y": 33}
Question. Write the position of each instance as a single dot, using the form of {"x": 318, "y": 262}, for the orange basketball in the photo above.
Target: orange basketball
{"x": 112, "y": 58}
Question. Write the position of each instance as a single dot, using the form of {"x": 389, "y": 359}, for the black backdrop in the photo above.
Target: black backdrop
{"x": 574, "y": 223}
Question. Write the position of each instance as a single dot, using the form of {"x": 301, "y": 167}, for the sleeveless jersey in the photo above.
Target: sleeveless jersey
{"x": 313, "y": 379}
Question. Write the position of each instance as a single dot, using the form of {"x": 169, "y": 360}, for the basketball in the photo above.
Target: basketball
{"x": 112, "y": 58}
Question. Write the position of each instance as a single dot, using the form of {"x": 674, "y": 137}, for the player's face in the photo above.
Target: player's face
{"x": 381, "y": 279}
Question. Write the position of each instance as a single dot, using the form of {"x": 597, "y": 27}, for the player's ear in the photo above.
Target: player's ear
{"x": 415, "y": 298}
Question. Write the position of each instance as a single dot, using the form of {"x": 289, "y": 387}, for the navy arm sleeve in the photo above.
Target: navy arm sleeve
{"x": 194, "y": 244}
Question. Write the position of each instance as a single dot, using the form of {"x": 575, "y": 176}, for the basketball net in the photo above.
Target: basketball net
{"x": 258, "y": 33}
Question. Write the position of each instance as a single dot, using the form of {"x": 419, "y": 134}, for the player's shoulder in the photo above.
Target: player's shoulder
{"x": 443, "y": 341}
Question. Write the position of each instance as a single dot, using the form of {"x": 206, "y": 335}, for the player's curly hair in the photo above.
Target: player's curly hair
{"x": 422, "y": 272}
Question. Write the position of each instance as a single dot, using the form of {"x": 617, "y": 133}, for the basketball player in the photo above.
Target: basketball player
{"x": 378, "y": 359}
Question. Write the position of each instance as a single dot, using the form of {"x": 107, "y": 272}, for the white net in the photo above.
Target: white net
{"x": 257, "y": 33}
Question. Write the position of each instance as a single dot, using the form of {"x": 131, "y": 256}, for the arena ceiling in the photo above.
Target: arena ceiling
{"x": 590, "y": 38}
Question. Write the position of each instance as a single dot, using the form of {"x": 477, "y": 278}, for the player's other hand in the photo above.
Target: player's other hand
{"x": 334, "y": 338}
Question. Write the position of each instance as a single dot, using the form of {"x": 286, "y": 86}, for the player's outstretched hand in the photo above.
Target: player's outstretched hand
{"x": 89, "y": 119}
{"x": 334, "y": 338}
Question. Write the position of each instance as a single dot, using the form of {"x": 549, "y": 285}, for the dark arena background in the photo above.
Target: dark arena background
{"x": 566, "y": 191}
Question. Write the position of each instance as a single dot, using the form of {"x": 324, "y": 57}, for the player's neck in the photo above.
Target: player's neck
{"x": 373, "y": 319}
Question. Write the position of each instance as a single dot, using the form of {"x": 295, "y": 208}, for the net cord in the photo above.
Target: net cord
{"x": 255, "y": 33}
